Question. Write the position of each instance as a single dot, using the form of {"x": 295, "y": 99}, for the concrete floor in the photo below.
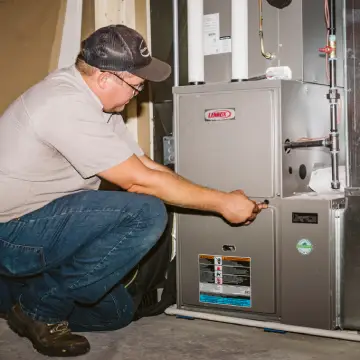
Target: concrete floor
{"x": 169, "y": 338}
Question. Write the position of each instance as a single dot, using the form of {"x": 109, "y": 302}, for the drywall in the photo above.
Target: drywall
{"x": 30, "y": 37}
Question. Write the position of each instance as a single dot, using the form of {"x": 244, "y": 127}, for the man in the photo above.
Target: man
{"x": 64, "y": 247}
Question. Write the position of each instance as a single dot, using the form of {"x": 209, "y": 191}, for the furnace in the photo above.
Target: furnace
{"x": 267, "y": 135}
{"x": 285, "y": 266}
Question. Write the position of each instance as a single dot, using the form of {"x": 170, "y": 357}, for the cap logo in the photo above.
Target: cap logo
{"x": 144, "y": 51}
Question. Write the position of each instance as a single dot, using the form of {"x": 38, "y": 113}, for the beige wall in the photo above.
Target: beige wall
{"x": 88, "y": 18}
{"x": 30, "y": 34}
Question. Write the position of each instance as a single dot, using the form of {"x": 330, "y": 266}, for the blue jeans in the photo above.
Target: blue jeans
{"x": 65, "y": 261}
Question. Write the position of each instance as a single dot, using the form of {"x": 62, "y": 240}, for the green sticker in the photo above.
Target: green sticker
{"x": 304, "y": 247}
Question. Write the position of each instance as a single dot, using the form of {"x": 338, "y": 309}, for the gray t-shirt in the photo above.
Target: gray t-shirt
{"x": 54, "y": 139}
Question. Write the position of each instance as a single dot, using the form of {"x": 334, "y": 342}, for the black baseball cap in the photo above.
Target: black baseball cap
{"x": 120, "y": 48}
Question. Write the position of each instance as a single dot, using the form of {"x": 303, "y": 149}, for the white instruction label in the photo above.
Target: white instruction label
{"x": 225, "y": 44}
{"x": 213, "y": 43}
{"x": 211, "y": 34}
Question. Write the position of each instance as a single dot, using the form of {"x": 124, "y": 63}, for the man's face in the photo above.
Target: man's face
{"x": 117, "y": 91}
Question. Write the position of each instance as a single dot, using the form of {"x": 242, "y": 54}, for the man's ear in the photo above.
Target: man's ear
{"x": 103, "y": 80}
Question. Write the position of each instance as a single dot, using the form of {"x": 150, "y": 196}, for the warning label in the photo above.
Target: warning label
{"x": 225, "y": 280}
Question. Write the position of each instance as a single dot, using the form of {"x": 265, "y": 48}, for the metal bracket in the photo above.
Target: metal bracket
{"x": 168, "y": 150}
{"x": 352, "y": 192}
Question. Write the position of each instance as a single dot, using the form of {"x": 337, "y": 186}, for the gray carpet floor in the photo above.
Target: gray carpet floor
{"x": 168, "y": 338}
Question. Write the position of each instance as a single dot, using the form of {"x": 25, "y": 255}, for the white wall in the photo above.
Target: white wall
{"x": 71, "y": 38}
{"x": 119, "y": 12}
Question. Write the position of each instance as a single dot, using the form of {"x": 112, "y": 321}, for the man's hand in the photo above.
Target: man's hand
{"x": 239, "y": 209}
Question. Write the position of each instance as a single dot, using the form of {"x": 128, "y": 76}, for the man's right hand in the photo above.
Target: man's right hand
{"x": 239, "y": 209}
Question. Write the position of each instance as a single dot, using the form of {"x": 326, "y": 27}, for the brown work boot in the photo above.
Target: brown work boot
{"x": 50, "y": 340}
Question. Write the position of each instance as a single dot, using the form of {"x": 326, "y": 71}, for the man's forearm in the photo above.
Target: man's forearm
{"x": 175, "y": 190}
{"x": 143, "y": 175}
{"x": 133, "y": 176}
{"x": 151, "y": 164}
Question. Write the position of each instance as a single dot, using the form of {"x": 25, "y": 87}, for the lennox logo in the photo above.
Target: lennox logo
{"x": 219, "y": 114}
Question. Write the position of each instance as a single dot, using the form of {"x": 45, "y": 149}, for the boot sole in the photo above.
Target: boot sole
{"x": 16, "y": 328}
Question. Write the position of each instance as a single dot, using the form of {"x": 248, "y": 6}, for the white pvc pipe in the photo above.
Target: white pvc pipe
{"x": 341, "y": 335}
{"x": 195, "y": 17}
{"x": 71, "y": 37}
{"x": 239, "y": 39}
{"x": 151, "y": 103}
{"x": 176, "y": 69}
